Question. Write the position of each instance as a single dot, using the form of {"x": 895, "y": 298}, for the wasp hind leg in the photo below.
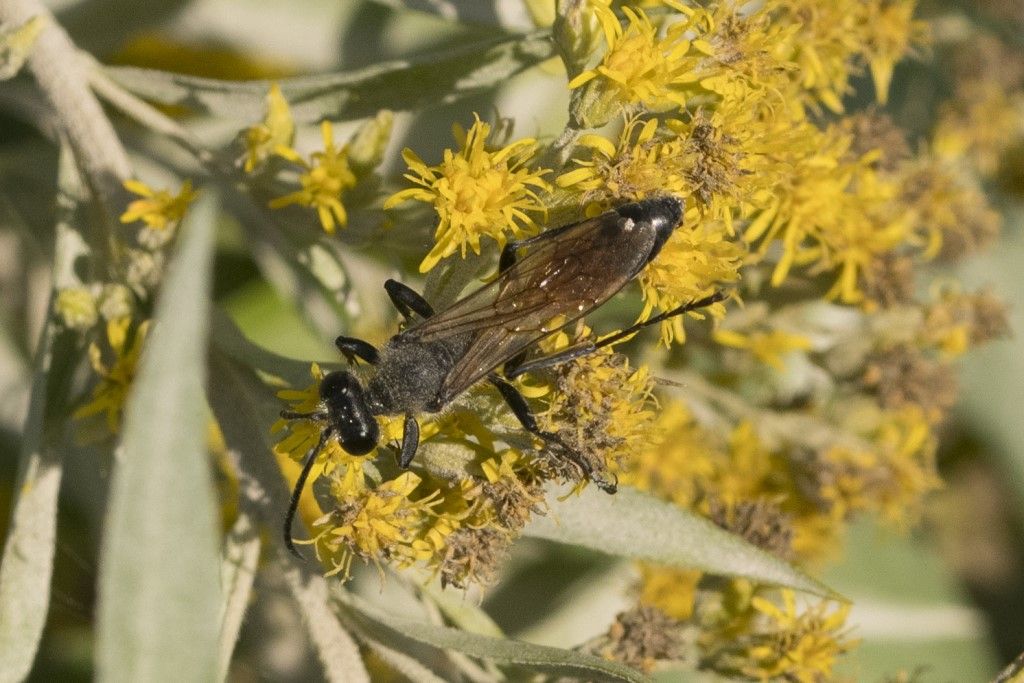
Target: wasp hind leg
{"x": 574, "y": 352}
{"x": 521, "y": 409}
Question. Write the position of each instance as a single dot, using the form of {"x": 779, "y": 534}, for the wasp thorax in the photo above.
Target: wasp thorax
{"x": 349, "y": 414}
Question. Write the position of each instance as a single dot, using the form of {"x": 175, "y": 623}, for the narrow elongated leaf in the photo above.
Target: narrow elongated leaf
{"x": 28, "y": 550}
{"x": 464, "y": 613}
{"x": 510, "y": 15}
{"x": 499, "y": 650}
{"x": 636, "y": 525}
{"x": 27, "y": 563}
{"x": 237, "y": 573}
{"x": 396, "y": 85}
{"x": 408, "y": 666}
{"x": 158, "y": 595}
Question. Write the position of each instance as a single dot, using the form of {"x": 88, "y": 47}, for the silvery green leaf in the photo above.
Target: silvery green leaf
{"x": 639, "y": 526}
{"x": 395, "y": 85}
{"x": 27, "y": 563}
{"x": 510, "y": 15}
{"x": 28, "y": 550}
{"x": 386, "y": 627}
{"x": 241, "y": 556}
{"x": 158, "y": 589}
{"x": 16, "y": 45}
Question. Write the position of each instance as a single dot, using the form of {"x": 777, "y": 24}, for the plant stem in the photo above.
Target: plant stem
{"x": 64, "y": 82}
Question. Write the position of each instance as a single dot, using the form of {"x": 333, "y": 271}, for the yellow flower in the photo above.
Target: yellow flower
{"x": 375, "y": 524}
{"x": 678, "y": 460}
{"x": 695, "y": 260}
{"x": 600, "y": 406}
{"x": 743, "y": 64}
{"x": 796, "y": 646}
{"x": 158, "y": 209}
{"x": 956, "y": 321}
{"x": 699, "y": 254}
{"x": 890, "y": 475}
{"x": 673, "y": 591}
{"x": 642, "y": 67}
{"x": 475, "y": 192}
{"x": 115, "y": 380}
{"x": 948, "y": 213}
{"x": 769, "y": 347}
{"x": 643, "y": 162}
{"x": 832, "y": 212}
{"x": 77, "y": 307}
{"x": 276, "y": 130}
{"x": 890, "y": 34}
{"x": 326, "y": 175}
{"x": 979, "y": 125}
{"x": 834, "y": 36}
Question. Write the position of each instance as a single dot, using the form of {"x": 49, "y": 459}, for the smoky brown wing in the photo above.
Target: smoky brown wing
{"x": 557, "y": 281}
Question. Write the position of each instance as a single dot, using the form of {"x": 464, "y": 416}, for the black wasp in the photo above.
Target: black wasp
{"x": 562, "y": 275}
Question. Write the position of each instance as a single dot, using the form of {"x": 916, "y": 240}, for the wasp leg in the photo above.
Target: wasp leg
{"x": 410, "y": 441}
{"x": 353, "y": 348}
{"x": 300, "y": 484}
{"x": 574, "y": 352}
{"x": 512, "y": 370}
{"x": 521, "y": 409}
{"x": 407, "y": 300}
{"x": 678, "y": 310}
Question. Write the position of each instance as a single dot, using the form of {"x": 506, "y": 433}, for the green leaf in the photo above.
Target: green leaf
{"x": 159, "y": 595}
{"x": 28, "y": 550}
{"x": 386, "y": 627}
{"x": 636, "y": 525}
{"x": 909, "y": 609}
{"x": 402, "y": 663}
{"x": 511, "y": 16}
{"x": 101, "y": 26}
{"x": 27, "y": 564}
{"x": 237, "y": 572}
{"x": 465, "y": 614}
{"x": 396, "y": 85}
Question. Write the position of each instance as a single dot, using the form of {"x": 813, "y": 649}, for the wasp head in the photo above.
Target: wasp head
{"x": 349, "y": 414}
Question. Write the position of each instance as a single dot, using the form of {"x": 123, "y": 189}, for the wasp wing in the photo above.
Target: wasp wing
{"x": 561, "y": 278}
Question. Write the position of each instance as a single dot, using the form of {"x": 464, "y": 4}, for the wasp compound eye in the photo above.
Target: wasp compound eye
{"x": 351, "y": 416}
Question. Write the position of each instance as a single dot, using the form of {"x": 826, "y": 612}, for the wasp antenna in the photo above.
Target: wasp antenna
{"x": 300, "y": 484}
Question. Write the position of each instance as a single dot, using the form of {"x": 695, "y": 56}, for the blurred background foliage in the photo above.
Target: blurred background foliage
{"x": 944, "y": 602}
